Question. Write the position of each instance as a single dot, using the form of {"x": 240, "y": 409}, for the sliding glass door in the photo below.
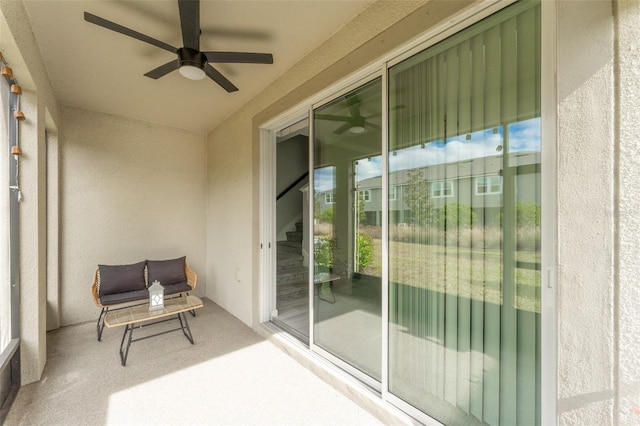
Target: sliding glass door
{"x": 347, "y": 228}
{"x": 425, "y": 239}
{"x": 464, "y": 247}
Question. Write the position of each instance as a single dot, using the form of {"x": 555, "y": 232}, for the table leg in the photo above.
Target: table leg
{"x": 124, "y": 352}
{"x": 100, "y": 324}
{"x": 185, "y": 327}
{"x": 319, "y": 288}
{"x": 333, "y": 295}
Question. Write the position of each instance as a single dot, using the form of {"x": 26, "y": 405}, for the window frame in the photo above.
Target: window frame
{"x": 329, "y": 198}
{"x": 489, "y": 186}
{"x": 393, "y": 192}
{"x": 442, "y": 184}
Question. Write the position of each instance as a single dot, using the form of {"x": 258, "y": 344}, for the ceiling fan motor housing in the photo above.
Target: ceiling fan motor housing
{"x": 192, "y": 57}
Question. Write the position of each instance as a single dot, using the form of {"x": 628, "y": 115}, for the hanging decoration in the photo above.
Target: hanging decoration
{"x": 18, "y": 115}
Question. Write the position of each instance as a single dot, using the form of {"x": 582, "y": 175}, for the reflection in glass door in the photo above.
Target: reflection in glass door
{"x": 292, "y": 208}
{"x": 464, "y": 246}
{"x": 462, "y": 236}
{"x": 347, "y": 228}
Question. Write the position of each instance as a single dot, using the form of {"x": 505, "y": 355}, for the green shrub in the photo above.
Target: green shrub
{"x": 527, "y": 214}
{"x": 365, "y": 251}
{"x": 456, "y": 215}
{"x": 323, "y": 254}
{"x": 326, "y": 216}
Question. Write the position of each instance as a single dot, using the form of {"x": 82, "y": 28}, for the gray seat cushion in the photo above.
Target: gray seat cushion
{"x": 182, "y": 287}
{"x": 129, "y": 296}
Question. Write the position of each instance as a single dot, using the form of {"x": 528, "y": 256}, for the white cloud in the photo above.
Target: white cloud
{"x": 368, "y": 168}
{"x": 323, "y": 179}
{"x": 523, "y": 136}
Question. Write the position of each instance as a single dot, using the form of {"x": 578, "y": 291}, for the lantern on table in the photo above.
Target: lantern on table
{"x": 156, "y": 296}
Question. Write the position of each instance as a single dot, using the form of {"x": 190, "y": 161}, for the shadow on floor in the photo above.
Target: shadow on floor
{"x": 230, "y": 376}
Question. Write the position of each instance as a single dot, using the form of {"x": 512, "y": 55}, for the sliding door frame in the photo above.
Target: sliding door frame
{"x": 467, "y": 17}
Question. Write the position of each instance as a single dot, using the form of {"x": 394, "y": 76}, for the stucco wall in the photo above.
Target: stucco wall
{"x": 585, "y": 212}
{"x": 233, "y": 146}
{"x": 130, "y": 190}
{"x": 39, "y": 105}
{"x": 628, "y": 128}
{"x": 229, "y": 217}
{"x": 598, "y": 225}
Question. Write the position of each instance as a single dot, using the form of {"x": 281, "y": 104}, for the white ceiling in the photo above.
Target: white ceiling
{"x": 94, "y": 68}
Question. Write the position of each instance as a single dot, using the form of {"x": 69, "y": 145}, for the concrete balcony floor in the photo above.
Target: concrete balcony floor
{"x": 231, "y": 376}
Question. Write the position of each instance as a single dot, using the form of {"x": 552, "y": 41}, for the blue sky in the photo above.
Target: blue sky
{"x": 523, "y": 136}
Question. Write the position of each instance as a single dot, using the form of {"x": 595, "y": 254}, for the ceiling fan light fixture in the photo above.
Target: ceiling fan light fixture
{"x": 192, "y": 72}
{"x": 192, "y": 63}
{"x": 356, "y": 129}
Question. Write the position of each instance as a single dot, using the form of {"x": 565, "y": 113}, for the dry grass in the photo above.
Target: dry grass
{"x": 467, "y": 262}
{"x": 488, "y": 237}
{"x": 466, "y": 272}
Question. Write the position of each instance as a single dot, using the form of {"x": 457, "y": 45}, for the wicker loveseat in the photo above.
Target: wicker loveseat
{"x": 117, "y": 286}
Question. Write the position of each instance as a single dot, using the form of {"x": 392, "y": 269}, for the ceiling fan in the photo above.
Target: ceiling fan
{"x": 190, "y": 62}
{"x": 355, "y": 122}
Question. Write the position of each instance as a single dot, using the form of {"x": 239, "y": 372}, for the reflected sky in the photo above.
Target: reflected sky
{"x": 524, "y": 136}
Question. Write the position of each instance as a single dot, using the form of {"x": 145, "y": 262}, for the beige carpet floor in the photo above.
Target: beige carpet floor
{"x": 231, "y": 376}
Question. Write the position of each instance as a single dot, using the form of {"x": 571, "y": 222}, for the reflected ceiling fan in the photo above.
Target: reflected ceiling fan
{"x": 355, "y": 122}
{"x": 190, "y": 62}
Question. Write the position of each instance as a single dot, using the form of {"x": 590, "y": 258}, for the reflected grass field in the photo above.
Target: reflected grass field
{"x": 464, "y": 271}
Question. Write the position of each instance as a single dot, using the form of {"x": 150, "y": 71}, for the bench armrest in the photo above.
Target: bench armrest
{"x": 94, "y": 290}
{"x": 192, "y": 277}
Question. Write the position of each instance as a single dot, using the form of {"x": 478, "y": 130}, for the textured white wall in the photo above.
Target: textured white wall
{"x": 130, "y": 191}
{"x": 598, "y": 222}
{"x": 230, "y": 218}
{"x": 585, "y": 212}
{"x": 41, "y": 109}
{"x": 628, "y": 74}
{"x": 33, "y": 296}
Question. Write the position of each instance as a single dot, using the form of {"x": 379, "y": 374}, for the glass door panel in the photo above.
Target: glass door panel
{"x": 292, "y": 208}
{"x": 347, "y": 228}
{"x": 464, "y": 242}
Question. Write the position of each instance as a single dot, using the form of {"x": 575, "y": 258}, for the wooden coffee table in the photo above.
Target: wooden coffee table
{"x": 139, "y": 316}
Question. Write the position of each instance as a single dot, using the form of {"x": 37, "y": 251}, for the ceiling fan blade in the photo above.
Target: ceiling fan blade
{"x": 127, "y": 31}
{"x": 163, "y": 70}
{"x": 190, "y": 23}
{"x": 331, "y": 117}
{"x": 340, "y": 130}
{"x": 219, "y": 78}
{"x": 239, "y": 57}
{"x": 373, "y": 125}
